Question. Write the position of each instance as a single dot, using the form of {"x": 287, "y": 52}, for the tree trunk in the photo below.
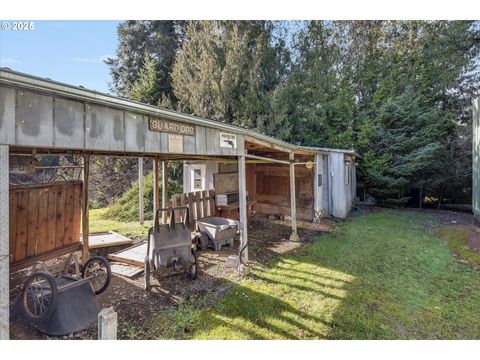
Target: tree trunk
{"x": 440, "y": 198}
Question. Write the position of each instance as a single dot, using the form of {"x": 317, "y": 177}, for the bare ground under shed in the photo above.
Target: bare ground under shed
{"x": 267, "y": 239}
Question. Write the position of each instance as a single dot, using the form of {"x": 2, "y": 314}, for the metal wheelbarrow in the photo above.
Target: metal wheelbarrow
{"x": 170, "y": 246}
{"x": 215, "y": 232}
{"x": 60, "y": 305}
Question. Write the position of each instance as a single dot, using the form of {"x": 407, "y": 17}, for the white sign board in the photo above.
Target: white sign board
{"x": 175, "y": 143}
{"x": 228, "y": 141}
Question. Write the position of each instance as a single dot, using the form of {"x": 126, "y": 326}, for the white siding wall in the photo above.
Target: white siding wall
{"x": 211, "y": 168}
{"x": 337, "y": 184}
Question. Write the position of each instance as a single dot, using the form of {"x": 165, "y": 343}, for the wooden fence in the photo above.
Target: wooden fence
{"x": 200, "y": 203}
{"x": 44, "y": 219}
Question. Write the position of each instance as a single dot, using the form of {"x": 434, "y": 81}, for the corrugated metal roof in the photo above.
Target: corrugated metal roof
{"x": 327, "y": 150}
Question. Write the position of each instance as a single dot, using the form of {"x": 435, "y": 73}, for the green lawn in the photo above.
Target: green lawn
{"x": 377, "y": 276}
{"x": 97, "y": 223}
{"x": 457, "y": 238}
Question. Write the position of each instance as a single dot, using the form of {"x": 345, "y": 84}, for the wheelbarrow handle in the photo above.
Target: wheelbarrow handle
{"x": 172, "y": 216}
{"x": 150, "y": 232}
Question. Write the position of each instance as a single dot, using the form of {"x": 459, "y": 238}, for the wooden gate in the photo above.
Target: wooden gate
{"x": 45, "y": 221}
{"x": 200, "y": 203}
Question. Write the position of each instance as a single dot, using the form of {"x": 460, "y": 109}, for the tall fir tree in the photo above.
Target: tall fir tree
{"x": 230, "y": 71}
{"x": 142, "y": 44}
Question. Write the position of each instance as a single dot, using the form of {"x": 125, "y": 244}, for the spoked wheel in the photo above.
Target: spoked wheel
{"x": 193, "y": 269}
{"x": 146, "y": 274}
{"x": 97, "y": 271}
{"x": 39, "y": 296}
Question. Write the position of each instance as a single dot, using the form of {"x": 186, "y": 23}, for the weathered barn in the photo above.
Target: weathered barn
{"x": 39, "y": 116}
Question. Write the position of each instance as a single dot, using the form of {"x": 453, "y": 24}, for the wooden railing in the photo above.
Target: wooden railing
{"x": 200, "y": 203}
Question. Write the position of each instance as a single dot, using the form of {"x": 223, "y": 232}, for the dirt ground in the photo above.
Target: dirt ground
{"x": 267, "y": 239}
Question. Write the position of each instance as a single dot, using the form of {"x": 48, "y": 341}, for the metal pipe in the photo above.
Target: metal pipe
{"x": 267, "y": 159}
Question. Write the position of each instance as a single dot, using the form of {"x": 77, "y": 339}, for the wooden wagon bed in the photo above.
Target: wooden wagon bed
{"x": 134, "y": 255}
{"x": 106, "y": 239}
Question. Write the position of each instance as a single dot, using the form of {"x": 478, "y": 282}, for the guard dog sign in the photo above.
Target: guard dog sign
{"x": 228, "y": 141}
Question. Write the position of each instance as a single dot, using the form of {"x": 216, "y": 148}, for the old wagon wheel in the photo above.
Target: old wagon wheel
{"x": 39, "y": 296}
{"x": 194, "y": 267}
{"x": 97, "y": 271}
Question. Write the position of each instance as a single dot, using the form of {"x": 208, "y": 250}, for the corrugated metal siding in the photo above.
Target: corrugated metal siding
{"x": 36, "y": 119}
{"x": 339, "y": 196}
{"x": 476, "y": 157}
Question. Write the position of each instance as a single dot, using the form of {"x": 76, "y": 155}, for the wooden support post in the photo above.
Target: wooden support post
{"x": 107, "y": 324}
{"x": 242, "y": 187}
{"x": 4, "y": 236}
{"x": 140, "y": 190}
{"x": 85, "y": 212}
{"x": 155, "y": 185}
{"x": 165, "y": 190}
{"x": 293, "y": 203}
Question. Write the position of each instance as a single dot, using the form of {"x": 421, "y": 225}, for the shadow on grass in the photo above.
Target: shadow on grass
{"x": 383, "y": 276}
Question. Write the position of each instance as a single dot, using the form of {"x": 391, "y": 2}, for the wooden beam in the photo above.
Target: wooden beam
{"x": 155, "y": 185}
{"x": 266, "y": 144}
{"x": 318, "y": 185}
{"x": 164, "y": 189}
{"x": 85, "y": 212}
{"x": 293, "y": 203}
{"x": 140, "y": 190}
{"x": 49, "y": 255}
{"x": 4, "y": 238}
{"x": 242, "y": 187}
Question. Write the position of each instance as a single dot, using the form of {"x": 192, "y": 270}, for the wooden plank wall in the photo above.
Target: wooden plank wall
{"x": 44, "y": 218}
{"x": 200, "y": 203}
{"x": 272, "y": 190}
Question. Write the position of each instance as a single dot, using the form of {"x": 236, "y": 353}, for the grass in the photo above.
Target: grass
{"x": 457, "y": 238}
{"x": 98, "y": 223}
{"x": 377, "y": 276}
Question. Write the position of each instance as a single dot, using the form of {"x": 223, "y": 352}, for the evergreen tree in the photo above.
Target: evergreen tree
{"x": 145, "y": 46}
{"x": 320, "y": 96}
{"x": 229, "y": 71}
{"x": 399, "y": 92}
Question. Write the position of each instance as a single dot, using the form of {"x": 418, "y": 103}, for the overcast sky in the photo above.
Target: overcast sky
{"x": 66, "y": 51}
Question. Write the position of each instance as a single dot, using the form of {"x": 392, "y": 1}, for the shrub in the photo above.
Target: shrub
{"x": 127, "y": 207}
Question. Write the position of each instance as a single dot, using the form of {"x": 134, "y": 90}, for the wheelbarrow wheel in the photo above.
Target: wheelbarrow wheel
{"x": 39, "y": 296}
{"x": 201, "y": 241}
{"x": 194, "y": 268}
{"x": 97, "y": 271}
{"x": 146, "y": 274}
